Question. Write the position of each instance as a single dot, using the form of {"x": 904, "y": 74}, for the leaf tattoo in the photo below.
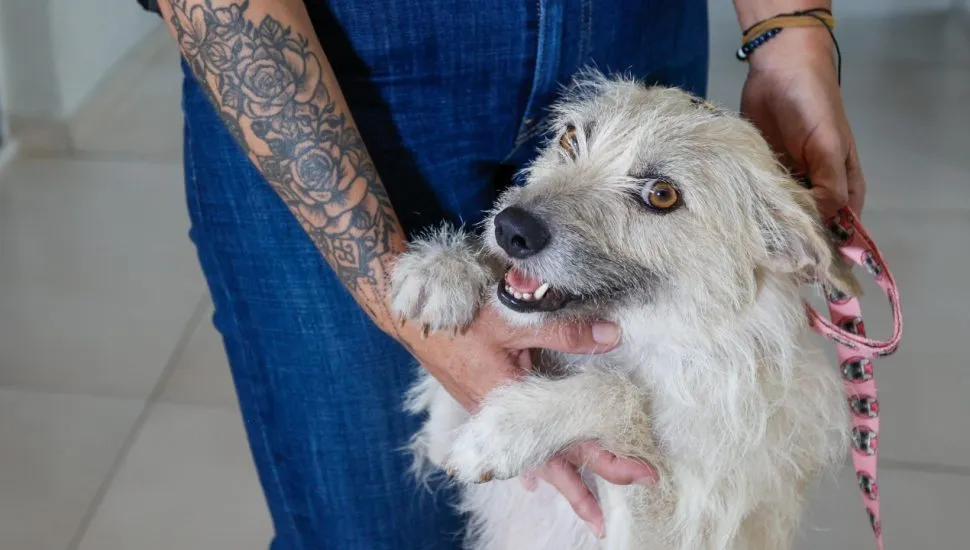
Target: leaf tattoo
{"x": 269, "y": 89}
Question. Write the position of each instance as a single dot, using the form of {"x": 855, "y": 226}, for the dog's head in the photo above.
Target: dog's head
{"x": 646, "y": 194}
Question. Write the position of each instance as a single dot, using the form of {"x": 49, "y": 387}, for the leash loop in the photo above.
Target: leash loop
{"x": 856, "y": 352}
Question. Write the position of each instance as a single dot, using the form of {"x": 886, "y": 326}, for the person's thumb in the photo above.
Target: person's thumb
{"x": 826, "y": 166}
{"x": 566, "y": 337}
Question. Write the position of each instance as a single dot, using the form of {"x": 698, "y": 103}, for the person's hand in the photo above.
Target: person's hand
{"x": 792, "y": 95}
{"x": 562, "y": 473}
{"x": 491, "y": 353}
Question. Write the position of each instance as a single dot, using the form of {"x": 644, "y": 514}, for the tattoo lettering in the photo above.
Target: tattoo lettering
{"x": 268, "y": 87}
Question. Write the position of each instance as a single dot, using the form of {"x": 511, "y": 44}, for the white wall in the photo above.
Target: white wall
{"x": 89, "y": 37}
{"x": 29, "y": 79}
{"x": 54, "y": 52}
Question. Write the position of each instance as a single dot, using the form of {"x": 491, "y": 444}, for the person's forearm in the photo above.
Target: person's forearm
{"x": 263, "y": 67}
{"x": 753, "y": 11}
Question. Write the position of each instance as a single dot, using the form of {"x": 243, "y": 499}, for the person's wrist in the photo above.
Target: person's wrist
{"x": 795, "y": 46}
{"x": 408, "y": 334}
{"x": 411, "y": 334}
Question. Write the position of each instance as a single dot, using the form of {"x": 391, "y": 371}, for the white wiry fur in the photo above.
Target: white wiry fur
{"x": 716, "y": 382}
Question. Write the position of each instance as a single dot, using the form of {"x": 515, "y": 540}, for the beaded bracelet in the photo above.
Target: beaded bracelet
{"x": 756, "y": 35}
{"x": 745, "y": 50}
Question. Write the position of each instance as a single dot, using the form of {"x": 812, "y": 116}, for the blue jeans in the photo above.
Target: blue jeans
{"x": 449, "y": 102}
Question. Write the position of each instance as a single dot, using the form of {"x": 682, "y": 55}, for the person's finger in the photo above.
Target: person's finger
{"x": 529, "y": 480}
{"x": 612, "y": 468}
{"x": 523, "y": 360}
{"x": 562, "y": 475}
{"x": 856, "y": 181}
{"x": 566, "y": 337}
{"x": 825, "y": 160}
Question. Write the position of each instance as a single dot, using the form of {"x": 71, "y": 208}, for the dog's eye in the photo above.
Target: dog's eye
{"x": 568, "y": 141}
{"x": 662, "y": 196}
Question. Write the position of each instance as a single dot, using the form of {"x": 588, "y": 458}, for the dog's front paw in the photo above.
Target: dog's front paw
{"x": 494, "y": 444}
{"x": 440, "y": 281}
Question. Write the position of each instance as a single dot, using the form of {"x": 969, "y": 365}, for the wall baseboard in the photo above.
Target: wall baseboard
{"x": 41, "y": 135}
{"x": 8, "y": 153}
{"x": 45, "y": 135}
{"x": 118, "y": 81}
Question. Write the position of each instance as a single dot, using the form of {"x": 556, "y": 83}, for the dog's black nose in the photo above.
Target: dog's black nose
{"x": 519, "y": 233}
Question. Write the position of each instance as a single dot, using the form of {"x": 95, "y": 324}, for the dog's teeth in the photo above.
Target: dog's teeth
{"x": 541, "y": 291}
{"x": 508, "y": 289}
{"x": 527, "y": 297}
{"x": 518, "y": 295}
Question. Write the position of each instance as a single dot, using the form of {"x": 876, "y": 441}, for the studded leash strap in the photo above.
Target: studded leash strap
{"x": 856, "y": 352}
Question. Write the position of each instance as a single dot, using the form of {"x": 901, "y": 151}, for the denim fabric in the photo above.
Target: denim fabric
{"x": 449, "y": 97}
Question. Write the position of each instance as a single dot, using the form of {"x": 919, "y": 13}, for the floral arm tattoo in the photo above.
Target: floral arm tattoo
{"x": 271, "y": 90}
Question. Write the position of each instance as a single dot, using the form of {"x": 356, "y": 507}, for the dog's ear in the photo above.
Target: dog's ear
{"x": 796, "y": 242}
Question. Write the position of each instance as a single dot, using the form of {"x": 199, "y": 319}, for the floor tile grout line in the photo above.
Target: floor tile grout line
{"x": 201, "y": 307}
{"x": 43, "y": 390}
{"x": 101, "y": 156}
{"x": 924, "y": 467}
{"x": 108, "y": 395}
{"x": 917, "y": 466}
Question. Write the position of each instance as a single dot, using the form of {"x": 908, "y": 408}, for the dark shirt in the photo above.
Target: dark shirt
{"x": 150, "y": 5}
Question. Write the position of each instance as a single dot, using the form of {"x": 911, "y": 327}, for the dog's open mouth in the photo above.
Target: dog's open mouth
{"x": 525, "y": 294}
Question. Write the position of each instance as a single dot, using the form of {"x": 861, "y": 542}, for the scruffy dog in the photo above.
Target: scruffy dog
{"x": 672, "y": 218}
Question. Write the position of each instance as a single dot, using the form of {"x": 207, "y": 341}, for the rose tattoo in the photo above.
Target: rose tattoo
{"x": 269, "y": 87}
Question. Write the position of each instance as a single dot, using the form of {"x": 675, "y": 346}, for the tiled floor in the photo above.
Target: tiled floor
{"x": 120, "y": 429}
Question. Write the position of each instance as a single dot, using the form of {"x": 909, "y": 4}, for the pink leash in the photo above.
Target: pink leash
{"x": 856, "y": 353}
